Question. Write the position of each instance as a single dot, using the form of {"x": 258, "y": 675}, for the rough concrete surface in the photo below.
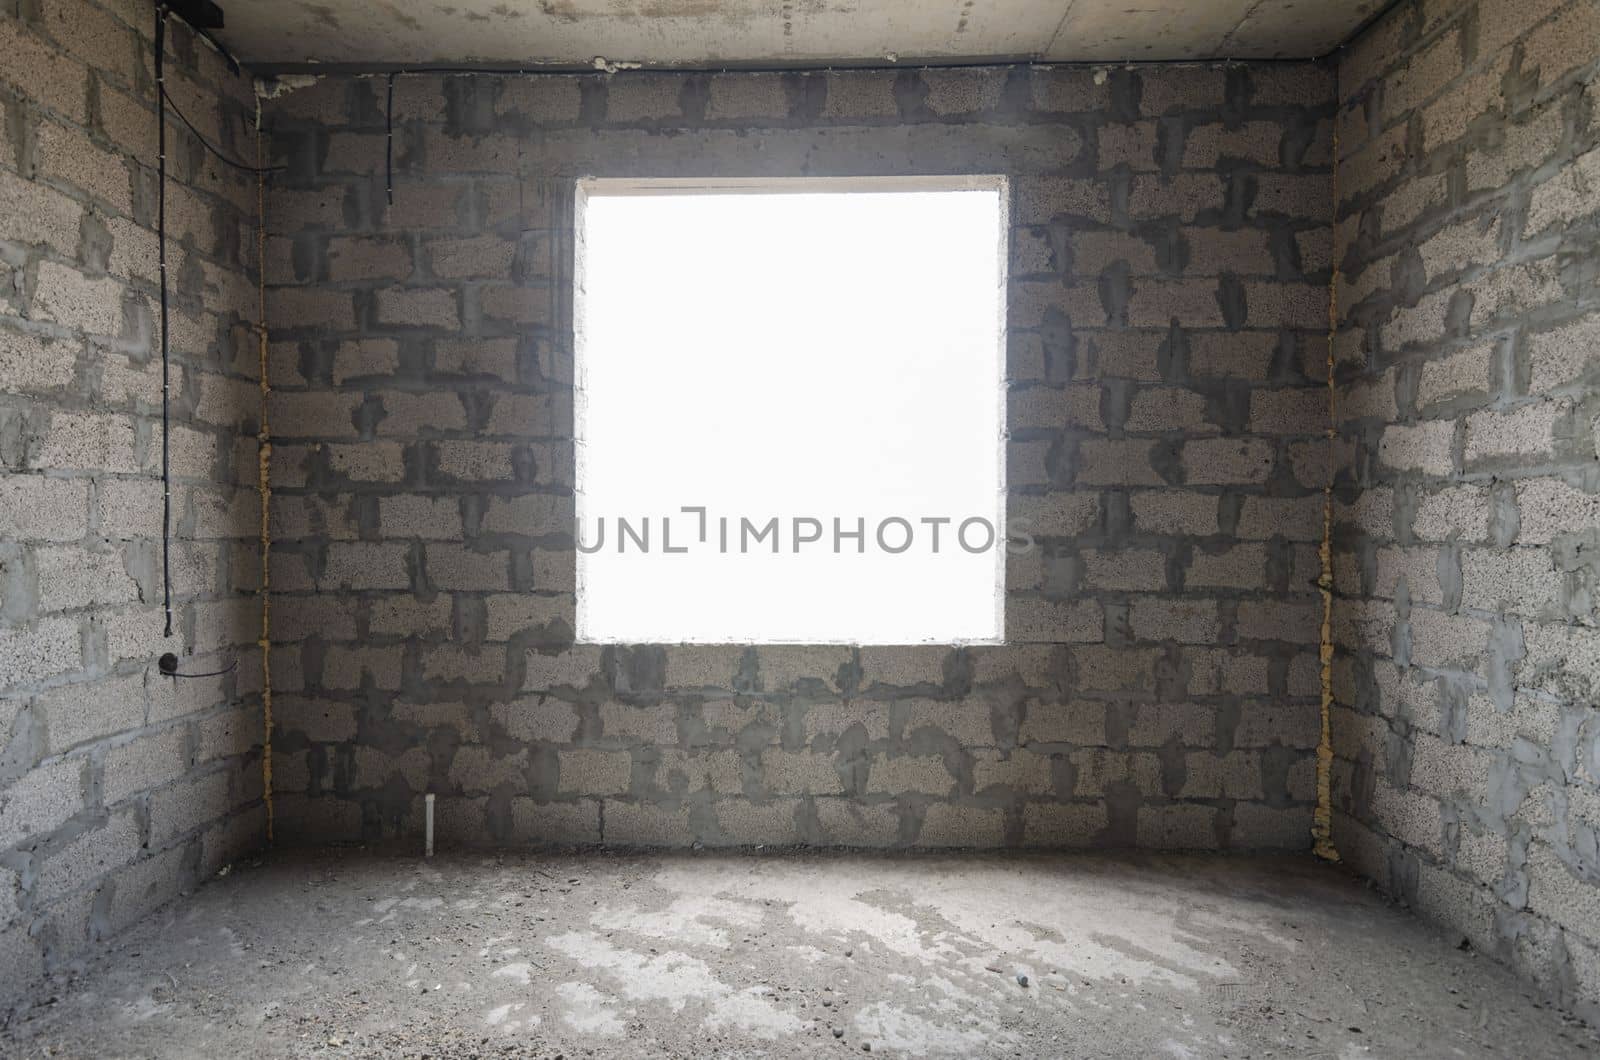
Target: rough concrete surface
{"x": 357, "y": 952}
{"x": 290, "y": 32}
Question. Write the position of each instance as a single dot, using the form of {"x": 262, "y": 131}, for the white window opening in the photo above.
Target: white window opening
{"x": 790, "y": 411}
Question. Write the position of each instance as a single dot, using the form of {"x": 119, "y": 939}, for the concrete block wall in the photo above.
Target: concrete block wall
{"x": 120, "y": 788}
{"x": 1468, "y": 358}
{"x": 1168, "y": 313}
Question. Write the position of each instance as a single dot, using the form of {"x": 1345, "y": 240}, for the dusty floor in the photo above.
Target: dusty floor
{"x": 362, "y": 953}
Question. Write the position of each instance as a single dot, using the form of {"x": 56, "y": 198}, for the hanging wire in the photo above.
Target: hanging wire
{"x": 164, "y": 103}
{"x": 243, "y": 167}
{"x": 161, "y": 268}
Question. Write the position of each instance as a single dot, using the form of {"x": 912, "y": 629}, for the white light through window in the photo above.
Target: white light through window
{"x": 801, "y": 360}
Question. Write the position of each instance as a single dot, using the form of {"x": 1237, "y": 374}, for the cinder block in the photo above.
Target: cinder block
{"x": 632, "y": 97}
{"x": 1424, "y": 447}
{"x": 1524, "y": 581}
{"x": 1548, "y": 508}
{"x": 318, "y": 720}
{"x": 1184, "y": 197}
{"x": 1081, "y": 722}
{"x": 376, "y": 258}
{"x": 966, "y": 721}
{"x": 957, "y": 92}
{"x": 362, "y": 565}
{"x": 183, "y": 808}
{"x": 540, "y": 100}
{"x": 721, "y": 772}
{"x": 1443, "y": 641}
{"x": 476, "y": 769}
{"x": 348, "y": 666}
{"x": 1068, "y": 825}
{"x": 1242, "y": 355}
{"x": 1174, "y": 512}
{"x": 642, "y": 824}
{"x": 79, "y": 713}
{"x": 1132, "y": 145}
{"x": 1227, "y": 461}
{"x": 1272, "y": 827}
{"x": 1236, "y": 775}
{"x": 537, "y": 719}
{"x": 1039, "y": 200}
{"x": 836, "y": 719}
{"x": 1177, "y": 826}
{"x": 847, "y": 822}
{"x": 1302, "y": 410}
{"x": 41, "y": 800}
{"x": 591, "y": 772}
{"x": 365, "y": 357}
{"x": 491, "y": 357}
{"x": 1255, "y": 142}
{"x": 1564, "y": 355}
{"x": 1117, "y": 462}
{"x": 418, "y": 307}
{"x": 449, "y": 152}
{"x": 746, "y": 823}
{"x": 1240, "y": 252}
{"x": 457, "y": 567}
{"x": 865, "y": 94}
{"x": 1417, "y": 568}
{"x": 652, "y": 726}
{"x": 1526, "y": 433}
{"x": 479, "y": 256}
{"x": 473, "y": 461}
{"x": 45, "y": 649}
{"x": 1565, "y": 197}
{"x": 33, "y": 508}
{"x": 1056, "y": 514}
{"x": 1238, "y": 567}
{"x": 1098, "y": 768}
{"x": 1054, "y": 408}
{"x": 140, "y": 889}
{"x": 1035, "y": 620}
{"x": 1168, "y": 408}
{"x": 734, "y": 97}
{"x": 412, "y": 515}
{"x": 21, "y": 958}
{"x": 909, "y": 775}
{"x": 1294, "y": 518}
{"x": 85, "y": 441}
{"x": 555, "y": 822}
{"x": 949, "y": 825}
{"x": 1297, "y": 623}
{"x": 1189, "y": 303}
{"x": 305, "y": 307}
{"x": 359, "y": 153}
{"x": 1020, "y": 771}
{"x": 1185, "y": 620}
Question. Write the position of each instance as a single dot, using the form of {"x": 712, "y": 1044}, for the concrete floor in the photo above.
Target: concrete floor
{"x": 352, "y": 952}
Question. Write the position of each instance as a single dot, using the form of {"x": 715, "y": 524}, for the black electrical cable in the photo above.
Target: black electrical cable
{"x": 164, "y": 102}
{"x": 168, "y": 665}
{"x": 388, "y": 145}
{"x": 161, "y": 257}
{"x": 172, "y": 105}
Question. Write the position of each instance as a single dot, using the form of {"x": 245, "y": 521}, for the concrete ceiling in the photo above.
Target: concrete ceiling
{"x": 293, "y": 33}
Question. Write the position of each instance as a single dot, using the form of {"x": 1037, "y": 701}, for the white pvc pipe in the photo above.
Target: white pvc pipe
{"x": 427, "y": 801}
